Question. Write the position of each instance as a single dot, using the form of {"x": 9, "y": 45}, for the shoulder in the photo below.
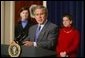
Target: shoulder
{"x": 18, "y": 24}
{"x": 33, "y": 26}
{"x": 52, "y": 25}
{"x": 76, "y": 31}
{"x": 60, "y": 30}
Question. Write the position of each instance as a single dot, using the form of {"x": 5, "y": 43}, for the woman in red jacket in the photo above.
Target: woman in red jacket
{"x": 68, "y": 40}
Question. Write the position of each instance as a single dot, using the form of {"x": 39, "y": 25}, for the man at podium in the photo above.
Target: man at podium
{"x": 44, "y": 33}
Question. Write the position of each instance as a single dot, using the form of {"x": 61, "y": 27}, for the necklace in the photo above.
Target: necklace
{"x": 67, "y": 31}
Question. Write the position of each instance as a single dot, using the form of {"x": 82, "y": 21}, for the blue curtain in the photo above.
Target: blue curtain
{"x": 76, "y": 8}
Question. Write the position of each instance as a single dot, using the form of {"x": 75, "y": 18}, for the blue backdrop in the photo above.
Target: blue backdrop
{"x": 76, "y": 8}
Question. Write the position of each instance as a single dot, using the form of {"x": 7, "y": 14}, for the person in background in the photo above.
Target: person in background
{"x": 68, "y": 39}
{"x": 44, "y": 33}
{"x": 22, "y": 27}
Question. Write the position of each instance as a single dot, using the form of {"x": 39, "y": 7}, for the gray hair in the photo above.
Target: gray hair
{"x": 41, "y": 7}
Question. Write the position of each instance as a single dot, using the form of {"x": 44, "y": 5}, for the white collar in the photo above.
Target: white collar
{"x": 42, "y": 25}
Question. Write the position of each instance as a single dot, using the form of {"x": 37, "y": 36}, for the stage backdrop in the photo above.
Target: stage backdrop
{"x": 76, "y": 8}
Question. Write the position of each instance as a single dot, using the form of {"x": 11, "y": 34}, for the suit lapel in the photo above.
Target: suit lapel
{"x": 21, "y": 26}
{"x": 42, "y": 33}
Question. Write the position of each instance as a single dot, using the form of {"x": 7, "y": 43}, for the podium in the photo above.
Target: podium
{"x": 29, "y": 52}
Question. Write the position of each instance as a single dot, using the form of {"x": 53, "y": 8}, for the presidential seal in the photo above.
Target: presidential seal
{"x": 14, "y": 49}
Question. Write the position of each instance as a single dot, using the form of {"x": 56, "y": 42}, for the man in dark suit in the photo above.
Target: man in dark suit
{"x": 43, "y": 34}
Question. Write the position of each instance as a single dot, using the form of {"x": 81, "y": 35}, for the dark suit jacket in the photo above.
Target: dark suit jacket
{"x": 47, "y": 36}
{"x": 20, "y": 32}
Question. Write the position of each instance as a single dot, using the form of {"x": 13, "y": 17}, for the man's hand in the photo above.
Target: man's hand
{"x": 28, "y": 43}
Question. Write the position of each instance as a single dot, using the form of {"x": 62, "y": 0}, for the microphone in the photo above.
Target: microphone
{"x": 27, "y": 38}
{"x": 23, "y": 38}
{"x": 19, "y": 35}
{"x": 17, "y": 38}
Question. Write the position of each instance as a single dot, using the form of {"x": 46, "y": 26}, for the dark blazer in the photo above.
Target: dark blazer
{"x": 47, "y": 36}
{"x": 20, "y": 32}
